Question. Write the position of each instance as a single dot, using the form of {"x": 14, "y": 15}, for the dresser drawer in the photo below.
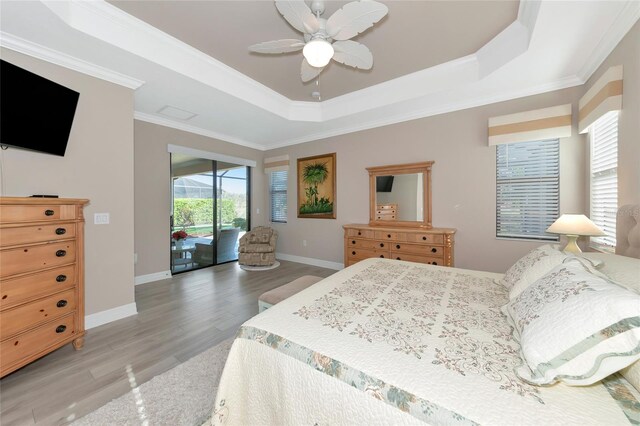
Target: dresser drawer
{"x": 18, "y": 290}
{"x": 32, "y": 343}
{"x": 419, "y": 249}
{"x": 363, "y": 233}
{"x": 415, "y": 237}
{"x": 418, "y": 259}
{"x": 388, "y": 215}
{"x": 359, "y": 254}
{"x": 386, "y": 235}
{"x": 36, "y": 234}
{"x": 20, "y": 213}
{"x": 368, "y": 244}
{"x": 31, "y": 314}
{"x": 33, "y": 258}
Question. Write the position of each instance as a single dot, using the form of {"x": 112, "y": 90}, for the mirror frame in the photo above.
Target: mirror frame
{"x": 402, "y": 169}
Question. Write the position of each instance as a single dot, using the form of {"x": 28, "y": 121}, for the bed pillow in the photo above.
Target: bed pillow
{"x": 621, "y": 269}
{"x": 532, "y": 266}
{"x": 625, "y": 271}
{"x": 575, "y": 326}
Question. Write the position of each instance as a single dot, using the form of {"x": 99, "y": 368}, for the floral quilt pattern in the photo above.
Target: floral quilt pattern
{"x": 437, "y": 316}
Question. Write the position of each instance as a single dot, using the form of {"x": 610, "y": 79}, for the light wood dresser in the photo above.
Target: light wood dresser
{"x": 433, "y": 246}
{"x": 41, "y": 278}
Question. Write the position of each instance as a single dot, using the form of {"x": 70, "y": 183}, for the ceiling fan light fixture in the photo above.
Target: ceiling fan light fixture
{"x": 318, "y": 52}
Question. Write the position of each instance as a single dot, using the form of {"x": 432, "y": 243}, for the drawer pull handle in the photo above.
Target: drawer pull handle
{"x": 49, "y": 212}
{"x": 433, "y": 250}
{"x": 388, "y": 235}
{"x": 381, "y": 244}
{"x": 353, "y": 241}
{"x": 359, "y": 233}
{"x": 424, "y": 238}
{"x": 61, "y": 231}
{"x": 353, "y": 253}
{"x": 397, "y": 258}
{"x": 61, "y": 278}
{"x": 61, "y": 253}
{"x": 382, "y": 256}
{"x": 397, "y": 246}
{"x": 61, "y": 328}
{"x": 434, "y": 263}
{"x": 61, "y": 303}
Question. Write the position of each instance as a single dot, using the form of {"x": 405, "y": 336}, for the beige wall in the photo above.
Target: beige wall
{"x": 627, "y": 54}
{"x": 464, "y": 181}
{"x": 153, "y": 189}
{"x": 98, "y": 165}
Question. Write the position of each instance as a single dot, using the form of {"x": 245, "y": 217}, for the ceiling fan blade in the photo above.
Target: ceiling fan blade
{"x": 277, "y": 46}
{"x": 354, "y": 18}
{"x": 307, "y": 72}
{"x": 298, "y": 14}
{"x": 354, "y": 54}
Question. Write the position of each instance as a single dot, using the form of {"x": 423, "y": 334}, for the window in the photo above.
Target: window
{"x": 603, "y": 136}
{"x": 278, "y": 194}
{"x": 527, "y": 193}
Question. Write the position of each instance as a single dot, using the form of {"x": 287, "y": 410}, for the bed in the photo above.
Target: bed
{"x": 393, "y": 342}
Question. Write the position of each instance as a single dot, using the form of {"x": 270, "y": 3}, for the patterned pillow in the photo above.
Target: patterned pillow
{"x": 575, "y": 326}
{"x": 532, "y": 266}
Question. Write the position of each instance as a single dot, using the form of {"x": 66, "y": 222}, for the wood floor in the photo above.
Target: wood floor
{"x": 177, "y": 319}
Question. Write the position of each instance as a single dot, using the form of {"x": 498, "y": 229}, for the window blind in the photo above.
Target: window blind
{"x": 278, "y": 194}
{"x": 604, "y": 177}
{"x": 527, "y": 189}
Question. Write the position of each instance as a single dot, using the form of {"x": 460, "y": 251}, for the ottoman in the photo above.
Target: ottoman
{"x": 278, "y": 294}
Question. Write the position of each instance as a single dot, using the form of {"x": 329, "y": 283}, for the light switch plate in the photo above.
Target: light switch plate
{"x": 101, "y": 218}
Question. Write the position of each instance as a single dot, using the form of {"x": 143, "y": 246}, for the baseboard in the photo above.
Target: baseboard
{"x": 104, "y": 317}
{"x": 310, "y": 261}
{"x": 156, "y": 276}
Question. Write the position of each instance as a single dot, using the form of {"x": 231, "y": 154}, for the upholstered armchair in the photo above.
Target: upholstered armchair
{"x": 258, "y": 247}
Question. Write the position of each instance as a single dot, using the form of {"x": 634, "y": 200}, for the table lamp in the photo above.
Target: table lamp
{"x": 572, "y": 226}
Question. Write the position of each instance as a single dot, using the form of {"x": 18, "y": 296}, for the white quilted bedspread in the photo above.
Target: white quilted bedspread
{"x": 390, "y": 342}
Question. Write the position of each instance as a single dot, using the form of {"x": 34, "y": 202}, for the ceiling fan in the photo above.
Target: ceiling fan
{"x": 325, "y": 39}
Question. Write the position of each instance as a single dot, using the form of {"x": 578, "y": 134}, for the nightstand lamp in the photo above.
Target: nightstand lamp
{"x": 573, "y": 226}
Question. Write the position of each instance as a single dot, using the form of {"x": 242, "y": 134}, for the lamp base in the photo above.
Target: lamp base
{"x": 572, "y": 244}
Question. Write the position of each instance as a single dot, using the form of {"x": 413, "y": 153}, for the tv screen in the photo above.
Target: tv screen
{"x": 384, "y": 183}
{"x": 36, "y": 113}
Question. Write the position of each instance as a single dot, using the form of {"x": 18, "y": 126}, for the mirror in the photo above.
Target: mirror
{"x": 400, "y": 195}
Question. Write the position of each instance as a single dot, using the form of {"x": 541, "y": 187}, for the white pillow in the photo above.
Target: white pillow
{"x": 532, "y": 266}
{"x": 621, "y": 269}
{"x": 625, "y": 271}
{"x": 575, "y": 326}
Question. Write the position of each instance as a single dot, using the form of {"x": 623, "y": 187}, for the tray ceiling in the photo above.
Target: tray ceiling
{"x": 551, "y": 45}
{"x": 414, "y": 35}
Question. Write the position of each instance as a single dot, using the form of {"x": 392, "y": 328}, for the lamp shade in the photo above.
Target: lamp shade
{"x": 574, "y": 224}
{"x": 318, "y": 52}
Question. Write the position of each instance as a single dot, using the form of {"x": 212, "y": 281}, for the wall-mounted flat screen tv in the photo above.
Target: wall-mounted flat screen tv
{"x": 384, "y": 183}
{"x": 36, "y": 113}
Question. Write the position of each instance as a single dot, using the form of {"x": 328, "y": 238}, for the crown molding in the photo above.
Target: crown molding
{"x": 627, "y": 18}
{"x": 110, "y": 24}
{"x": 29, "y": 48}
{"x": 432, "y": 111}
{"x": 174, "y": 124}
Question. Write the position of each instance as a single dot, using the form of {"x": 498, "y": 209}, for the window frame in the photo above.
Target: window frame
{"x": 600, "y": 243}
{"x": 284, "y": 192}
{"x": 500, "y": 234}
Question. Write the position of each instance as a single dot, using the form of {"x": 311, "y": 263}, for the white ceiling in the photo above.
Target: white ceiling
{"x": 551, "y": 45}
{"x": 413, "y": 36}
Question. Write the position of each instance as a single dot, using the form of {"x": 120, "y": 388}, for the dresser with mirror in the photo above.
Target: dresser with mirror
{"x": 399, "y": 225}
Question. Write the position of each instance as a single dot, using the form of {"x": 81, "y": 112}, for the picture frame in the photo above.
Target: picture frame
{"x": 316, "y": 180}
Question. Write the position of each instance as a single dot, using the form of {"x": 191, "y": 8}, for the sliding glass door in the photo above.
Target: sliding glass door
{"x": 210, "y": 211}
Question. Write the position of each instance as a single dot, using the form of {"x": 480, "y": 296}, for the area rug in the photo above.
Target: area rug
{"x": 260, "y": 268}
{"x": 183, "y": 395}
